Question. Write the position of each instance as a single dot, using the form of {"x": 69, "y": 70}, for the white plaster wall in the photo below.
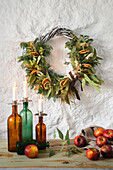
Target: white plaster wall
{"x": 24, "y": 20}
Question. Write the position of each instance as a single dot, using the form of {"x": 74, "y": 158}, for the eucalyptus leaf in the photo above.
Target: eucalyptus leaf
{"x": 23, "y": 63}
{"x": 73, "y": 50}
{"x": 97, "y": 88}
{"x": 23, "y": 45}
{"x": 78, "y": 150}
{"x": 67, "y": 99}
{"x": 67, "y": 63}
{"x": 67, "y": 135}
{"x": 54, "y": 134}
{"x": 48, "y": 93}
{"x": 52, "y": 152}
{"x": 33, "y": 78}
{"x": 63, "y": 143}
{"x": 94, "y": 78}
{"x": 68, "y": 142}
{"x": 29, "y": 78}
{"x": 60, "y": 134}
{"x": 99, "y": 58}
{"x": 82, "y": 44}
{"x": 61, "y": 149}
{"x": 75, "y": 150}
{"x": 38, "y": 59}
{"x": 69, "y": 152}
{"x": 31, "y": 62}
{"x": 95, "y": 52}
{"x": 87, "y": 79}
{"x": 83, "y": 83}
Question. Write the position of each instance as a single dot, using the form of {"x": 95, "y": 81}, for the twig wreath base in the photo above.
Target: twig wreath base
{"x": 44, "y": 80}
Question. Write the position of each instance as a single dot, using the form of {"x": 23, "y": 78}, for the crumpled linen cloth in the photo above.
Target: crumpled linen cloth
{"x": 88, "y": 133}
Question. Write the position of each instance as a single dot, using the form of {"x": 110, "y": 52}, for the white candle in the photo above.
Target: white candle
{"x": 40, "y": 104}
{"x": 14, "y": 91}
{"x": 25, "y": 87}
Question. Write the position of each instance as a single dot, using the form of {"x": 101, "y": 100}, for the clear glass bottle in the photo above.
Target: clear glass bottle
{"x": 41, "y": 131}
{"x": 27, "y": 122}
{"x": 14, "y": 124}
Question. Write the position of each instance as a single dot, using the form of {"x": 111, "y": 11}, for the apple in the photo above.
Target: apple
{"x": 80, "y": 141}
{"x": 101, "y": 140}
{"x": 99, "y": 132}
{"x": 112, "y": 152}
{"x": 31, "y": 151}
{"x": 93, "y": 154}
{"x": 108, "y": 134}
{"x": 106, "y": 151}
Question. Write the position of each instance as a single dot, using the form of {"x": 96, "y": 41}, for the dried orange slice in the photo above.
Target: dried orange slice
{"x": 35, "y": 54}
{"x": 63, "y": 82}
{"x": 86, "y": 65}
{"x": 45, "y": 80}
{"x": 27, "y": 65}
{"x": 83, "y": 51}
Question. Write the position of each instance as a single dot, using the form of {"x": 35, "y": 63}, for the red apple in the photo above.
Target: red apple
{"x": 112, "y": 152}
{"x": 31, "y": 151}
{"x": 101, "y": 140}
{"x": 108, "y": 134}
{"x": 106, "y": 151}
{"x": 80, "y": 141}
{"x": 99, "y": 132}
{"x": 92, "y": 154}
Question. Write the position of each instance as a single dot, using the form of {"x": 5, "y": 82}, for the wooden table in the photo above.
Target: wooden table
{"x": 60, "y": 160}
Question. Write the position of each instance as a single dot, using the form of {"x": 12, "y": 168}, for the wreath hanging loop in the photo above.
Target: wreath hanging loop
{"x": 44, "y": 80}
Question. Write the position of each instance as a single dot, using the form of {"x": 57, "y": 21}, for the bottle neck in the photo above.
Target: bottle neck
{"x": 40, "y": 119}
{"x": 25, "y": 105}
{"x": 14, "y": 109}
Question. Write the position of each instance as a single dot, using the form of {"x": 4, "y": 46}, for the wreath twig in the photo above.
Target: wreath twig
{"x": 44, "y": 80}
{"x": 56, "y": 32}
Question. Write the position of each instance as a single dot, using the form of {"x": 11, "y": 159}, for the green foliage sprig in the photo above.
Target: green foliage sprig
{"x": 66, "y": 139}
{"x": 44, "y": 80}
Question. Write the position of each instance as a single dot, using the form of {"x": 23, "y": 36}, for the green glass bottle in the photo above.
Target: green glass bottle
{"x": 20, "y": 146}
{"x": 27, "y": 122}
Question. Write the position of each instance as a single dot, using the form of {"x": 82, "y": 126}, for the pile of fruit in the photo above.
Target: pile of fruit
{"x": 103, "y": 138}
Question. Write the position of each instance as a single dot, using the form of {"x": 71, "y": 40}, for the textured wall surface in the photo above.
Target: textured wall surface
{"x": 24, "y": 20}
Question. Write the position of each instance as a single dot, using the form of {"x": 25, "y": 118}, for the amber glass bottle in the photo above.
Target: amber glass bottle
{"x": 41, "y": 131}
{"x": 14, "y": 125}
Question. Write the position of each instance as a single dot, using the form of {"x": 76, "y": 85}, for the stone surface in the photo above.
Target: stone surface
{"x": 25, "y": 20}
